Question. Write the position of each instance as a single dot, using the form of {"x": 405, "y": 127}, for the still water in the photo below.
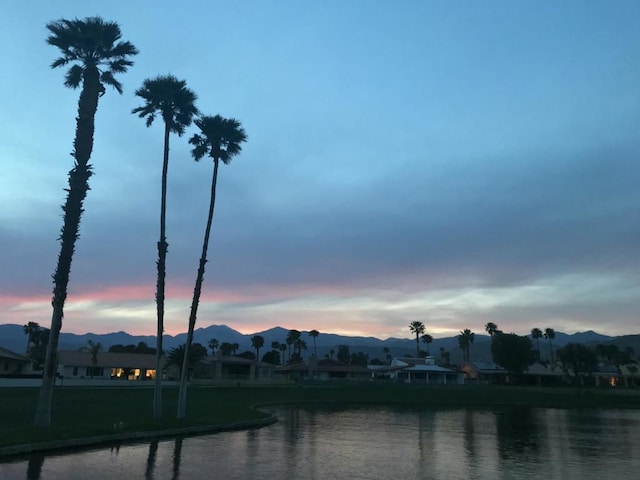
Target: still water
{"x": 374, "y": 443}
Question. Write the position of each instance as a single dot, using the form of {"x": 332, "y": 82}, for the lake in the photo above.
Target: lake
{"x": 373, "y": 443}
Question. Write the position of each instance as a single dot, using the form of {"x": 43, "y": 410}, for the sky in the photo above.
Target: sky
{"x": 455, "y": 163}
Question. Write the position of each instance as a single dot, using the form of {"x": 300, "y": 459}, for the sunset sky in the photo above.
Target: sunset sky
{"x": 449, "y": 162}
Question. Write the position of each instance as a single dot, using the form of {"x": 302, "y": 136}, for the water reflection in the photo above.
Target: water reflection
{"x": 34, "y": 466}
{"x": 366, "y": 443}
{"x": 151, "y": 460}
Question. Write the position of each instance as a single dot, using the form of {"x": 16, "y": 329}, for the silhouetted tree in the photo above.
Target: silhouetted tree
{"x": 170, "y": 98}
{"x": 176, "y": 357}
{"x": 536, "y": 334}
{"x": 220, "y": 139}
{"x": 95, "y": 52}
{"x": 465, "y": 339}
{"x": 93, "y": 348}
{"x": 359, "y": 359}
{"x": 257, "y": 342}
{"x": 513, "y": 352}
{"x": 343, "y": 354}
{"x": 314, "y": 334}
{"x": 417, "y": 328}
{"x": 550, "y": 334}
{"x": 213, "y": 344}
{"x": 578, "y": 361}
{"x": 427, "y": 339}
{"x": 227, "y": 348}
{"x": 30, "y": 329}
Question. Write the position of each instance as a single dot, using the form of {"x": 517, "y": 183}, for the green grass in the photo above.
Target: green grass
{"x": 87, "y": 412}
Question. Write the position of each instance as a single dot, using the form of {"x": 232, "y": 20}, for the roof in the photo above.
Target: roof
{"x": 428, "y": 368}
{"x": 77, "y": 358}
{"x": 486, "y": 367}
{"x": 539, "y": 369}
{"x": 233, "y": 359}
{"x": 16, "y": 357}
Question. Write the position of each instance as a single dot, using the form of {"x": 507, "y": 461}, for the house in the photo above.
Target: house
{"x": 424, "y": 370}
{"x": 13, "y": 363}
{"x": 630, "y": 375}
{"x": 483, "y": 372}
{"x": 110, "y": 365}
{"x": 229, "y": 367}
{"x": 324, "y": 369}
{"x": 539, "y": 374}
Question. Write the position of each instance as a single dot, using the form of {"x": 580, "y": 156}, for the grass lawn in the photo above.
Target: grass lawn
{"x": 87, "y": 412}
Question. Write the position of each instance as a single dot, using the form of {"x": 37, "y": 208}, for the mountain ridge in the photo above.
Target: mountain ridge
{"x": 13, "y": 338}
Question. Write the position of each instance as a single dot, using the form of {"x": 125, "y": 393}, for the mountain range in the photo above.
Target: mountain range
{"x": 13, "y": 338}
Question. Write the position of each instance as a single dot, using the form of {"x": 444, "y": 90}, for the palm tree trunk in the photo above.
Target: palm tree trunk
{"x": 78, "y": 186}
{"x": 162, "y": 261}
{"x": 182, "y": 395}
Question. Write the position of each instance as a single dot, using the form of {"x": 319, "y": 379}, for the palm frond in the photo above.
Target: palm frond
{"x": 73, "y": 77}
{"x": 108, "y": 78}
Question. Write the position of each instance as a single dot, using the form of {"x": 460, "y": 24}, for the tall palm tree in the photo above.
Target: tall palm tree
{"x": 95, "y": 52}
{"x": 213, "y": 345}
{"x": 417, "y": 328}
{"x": 257, "y": 342}
{"x": 550, "y": 334}
{"x": 427, "y": 339}
{"x": 93, "y": 348}
{"x": 536, "y": 334}
{"x": 465, "y": 339}
{"x": 283, "y": 348}
{"x": 170, "y": 98}
{"x": 314, "y": 334}
{"x": 220, "y": 139}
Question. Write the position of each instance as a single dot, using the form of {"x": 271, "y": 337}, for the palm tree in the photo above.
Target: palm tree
{"x": 95, "y": 52}
{"x": 234, "y": 348}
{"x": 536, "y": 334}
{"x": 427, "y": 339}
{"x": 170, "y": 98}
{"x": 387, "y": 355}
{"x": 292, "y": 337}
{"x": 213, "y": 344}
{"x": 93, "y": 348}
{"x": 221, "y": 140}
{"x": 465, "y": 339}
{"x": 283, "y": 348}
{"x": 491, "y": 328}
{"x": 417, "y": 328}
{"x": 550, "y": 334}
{"x": 257, "y": 342}
{"x": 30, "y": 330}
{"x": 314, "y": 334}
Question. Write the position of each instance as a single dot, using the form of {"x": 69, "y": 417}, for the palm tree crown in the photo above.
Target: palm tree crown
{"x": 91, "y": 44}
{"x": 170, "y": 98}
{"x": 220, "y": 139}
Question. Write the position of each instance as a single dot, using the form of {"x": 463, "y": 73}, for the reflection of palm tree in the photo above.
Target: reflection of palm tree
{"x": 417, "y": 328}
{"x": 550, "y": 334}
{"x": 220, "y": 139}
{"x": 94, "y": 49}
{"x": 175, "y": 103}
{"x": 177, "y": 457}
{"x": 151, "y": 459}
{"x": 34, "y": 467}
{"x": 536, "y": 334}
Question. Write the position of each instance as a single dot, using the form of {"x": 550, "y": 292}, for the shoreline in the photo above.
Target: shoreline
{"x": 75, "y": 423}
